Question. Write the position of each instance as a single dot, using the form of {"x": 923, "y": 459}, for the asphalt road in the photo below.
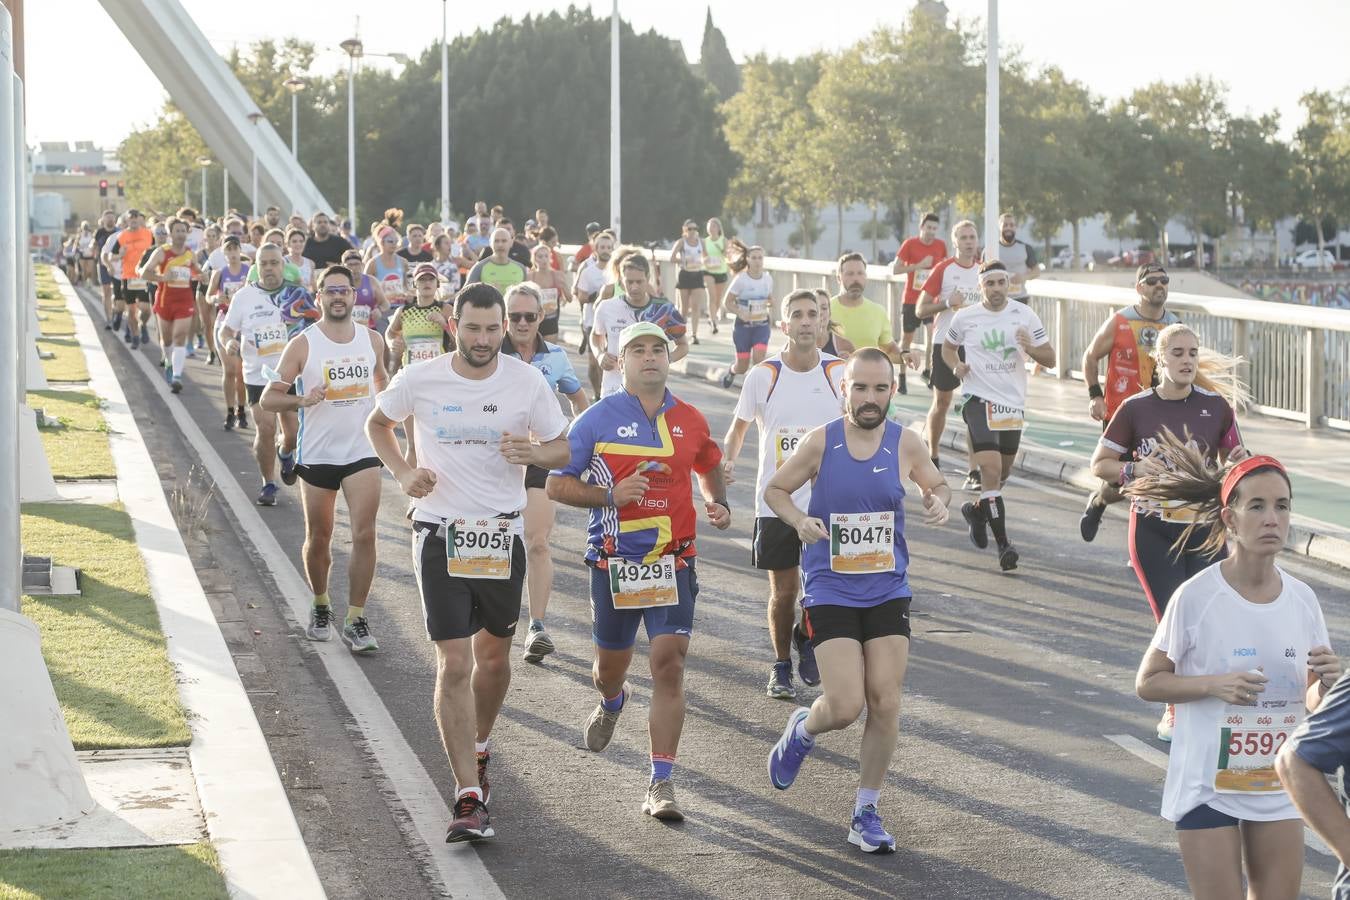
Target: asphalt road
{"x": 1005, "y": 783}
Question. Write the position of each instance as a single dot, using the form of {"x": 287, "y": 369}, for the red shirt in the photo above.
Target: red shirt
{"x": 585, "y": 251}
{"x": 912, "y": 251}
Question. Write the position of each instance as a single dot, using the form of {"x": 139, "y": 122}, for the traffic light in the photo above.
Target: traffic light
{"x": 121, "y": 188}
{"x": 103, "y": 187}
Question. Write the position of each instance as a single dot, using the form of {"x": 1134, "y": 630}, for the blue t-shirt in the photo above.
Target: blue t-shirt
{"x": 1323, "y": 742}
{"x": 552, "y": 361}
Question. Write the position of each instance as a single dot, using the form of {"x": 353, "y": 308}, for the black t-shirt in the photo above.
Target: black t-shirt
{"x": 518, "y": 252}
{"x": 423, "y": 255}
{"x": 100, "y": 238}
{"x": 326, "y": 252}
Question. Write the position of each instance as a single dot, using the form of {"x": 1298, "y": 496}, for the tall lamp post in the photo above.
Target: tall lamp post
{"x": 254, "y": 117}
{"x": 295, "y": 84}
{"x": 205, "y": 163}
{"x": 352, "y": 47}
{"x": 991, "y": 142}
{"x": 615, "y": 201}
{"x": 445, "y": 119}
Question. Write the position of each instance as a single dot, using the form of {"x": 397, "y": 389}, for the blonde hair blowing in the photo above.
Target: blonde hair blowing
{"x": 1216, "y": 372}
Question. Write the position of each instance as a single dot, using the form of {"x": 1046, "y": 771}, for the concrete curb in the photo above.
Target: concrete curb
{"x": 248, "y": 815}
{"x": 1306, "y": 537}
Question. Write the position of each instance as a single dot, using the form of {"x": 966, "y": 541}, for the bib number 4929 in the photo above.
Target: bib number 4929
{"x": 642, "y": 585}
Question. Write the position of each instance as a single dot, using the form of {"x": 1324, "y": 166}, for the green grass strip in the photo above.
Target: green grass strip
{"x": 68, "y": 363}
{"x": 190, "y": 872}
{"x": 105, "y": 649}
{"x": 81, "y": 448}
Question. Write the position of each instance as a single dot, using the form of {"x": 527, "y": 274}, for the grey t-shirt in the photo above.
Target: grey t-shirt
{"x": 1020, "y": 259}
{"x": 1323, "y": 742}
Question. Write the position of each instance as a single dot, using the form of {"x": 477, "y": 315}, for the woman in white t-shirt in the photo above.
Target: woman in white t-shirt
{"x": 1242, "y": 651}
{"x": 750, "y": 299}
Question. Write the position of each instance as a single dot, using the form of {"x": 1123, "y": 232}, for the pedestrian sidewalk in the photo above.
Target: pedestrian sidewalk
{"x": 223, "y": 785}
{"x": 1060, "y": 438}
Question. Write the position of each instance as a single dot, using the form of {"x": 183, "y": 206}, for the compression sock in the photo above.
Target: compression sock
{"x": 319, "y": 599}
{"x": 354, "y": 613}
{"x": 613, "y": 704}
{"x": 992, "y": 505}
{"x": 866, "y": 797}
{"x": 662, "y": 767}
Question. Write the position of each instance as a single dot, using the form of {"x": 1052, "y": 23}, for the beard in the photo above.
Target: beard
{"x": 876, "y": 413}
{"x": 466, "y": 354}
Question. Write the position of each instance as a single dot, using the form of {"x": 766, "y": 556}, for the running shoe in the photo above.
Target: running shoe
{"x": 145, "y": 334}
{"x": 537, "y": 645}
{"x": 904, "y": 389}
{"x": 191, "y": 352}
{"x": 320, "y": 621}
{"x": 135, "y": 342}
{"x": 1007, "y": 558}
{"x": 714, "y": 325}
{"x": 660, "y": 802}
{"x": 126, "y": 336}
{"x": 116, "y": 321}
{"x": 240, "y": 420}
{"x": 867, "y": 834}
{"x": 807, "y": 669}
{"x": 471, "y": 821}
{"x": 107, "y": 326}
{"x": 728, "y": 379}
{"x": 229, "y": 420}
{"x": 780, "y": 682}
{"x": 972, "y": 482}
{"x": 211, "y": 358}
{"x": 287, "y": 467}
{"x": 787, "y": 756}
{"x": 483, "y": 784}
{"x": 1091, "y": 519}
{"x": 357, "y": 635}
{"x": 927, "y": 376}
{"x": 201, "y": 342}
{"x": 176, "y": 385}
{"x": 167, "y": 371}
{"x": 268, "y": 495}
{"x": 600, "y": 726}
{"x": 1169, "y": 719}
{"x": 974, "y": 517}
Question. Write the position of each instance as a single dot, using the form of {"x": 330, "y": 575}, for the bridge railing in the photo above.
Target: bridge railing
{"x": 1297, "y": 357}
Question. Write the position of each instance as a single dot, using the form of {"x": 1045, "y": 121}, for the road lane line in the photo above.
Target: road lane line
{"x": 1154, "y": 756}
{"x": 456, "y": 865}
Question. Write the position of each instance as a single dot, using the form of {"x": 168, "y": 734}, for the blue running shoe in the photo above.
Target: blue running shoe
{"x": 787, "y": 756}
{"x": 780, "y": 682}
{"x": 287, "y": 467}
{"x": 867, "y": 834}
{"x": 268, "y": 495}
{"x": 806, "y": 658}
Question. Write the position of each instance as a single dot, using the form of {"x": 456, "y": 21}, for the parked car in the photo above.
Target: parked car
{"x": 1064, "y": 260}
{"x": 1308, "y": 260}
{"x": 1131, "y": 258}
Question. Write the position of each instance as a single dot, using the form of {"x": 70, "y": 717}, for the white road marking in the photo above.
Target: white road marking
{"x": 1156, "y": 757}
{"x": 457, "y": 865}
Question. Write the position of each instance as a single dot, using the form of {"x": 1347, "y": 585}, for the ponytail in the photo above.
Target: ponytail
{"x": 1216, "y": 372}
{"x": 738, "y": 255}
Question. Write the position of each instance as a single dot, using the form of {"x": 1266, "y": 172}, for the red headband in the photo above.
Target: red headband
{"x": 1241, "y": 470}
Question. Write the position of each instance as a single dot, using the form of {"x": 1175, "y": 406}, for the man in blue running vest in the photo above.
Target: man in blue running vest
{"x": 855, "y": 563}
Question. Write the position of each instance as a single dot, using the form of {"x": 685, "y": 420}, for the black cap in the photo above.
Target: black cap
{"x": 593, "y": 227}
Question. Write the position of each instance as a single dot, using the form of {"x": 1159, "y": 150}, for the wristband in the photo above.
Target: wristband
{"x": 609, "y": 496}
{"x": 1127, "y": 473}
{"x": 1095, "y": 391}
{"x": 722, "y": 502}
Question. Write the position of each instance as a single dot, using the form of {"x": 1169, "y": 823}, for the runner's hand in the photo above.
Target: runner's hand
{"x": 962, "y": 370}
{"x": 913, "y": 358}
{"x": 1238, "y": 454}
{"x": 397, "y": 346}
{"x": 609, "y": 362}
{"x": 314, "y": 397}
{"x": 935, "y": 511}
{"x": 718, "y": 515}
{"x": 630, "y": 490}
{"x": 1238, "y": 688}
{"x": 518, "y": 449}
{"x": 1149, "y": 464}
{"x": 811, "y": 530}
{"x": 1097, "y": 409}
{"x": 1023, "y": 338}
{"x": 1326, "y": 664}
{"x": 418, "y": 482}
{"x": 436, "y": 317}
{"x": 729, "y": 471}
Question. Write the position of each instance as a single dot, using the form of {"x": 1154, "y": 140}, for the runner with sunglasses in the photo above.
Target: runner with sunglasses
{"x": 1126, "y": 341}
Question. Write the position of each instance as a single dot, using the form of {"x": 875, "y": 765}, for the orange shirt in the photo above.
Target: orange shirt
{"x": 134, "y": 244}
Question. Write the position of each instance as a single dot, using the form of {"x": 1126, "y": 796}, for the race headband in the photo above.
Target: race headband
{"x": 990, "y": 273}
{"x": 1241, "y": 470}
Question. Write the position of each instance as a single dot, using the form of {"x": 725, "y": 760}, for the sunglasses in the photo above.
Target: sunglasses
{"x": 1157, "y": 279}
{"x": 523, "y": 317}
{"x": 337, "y": 291}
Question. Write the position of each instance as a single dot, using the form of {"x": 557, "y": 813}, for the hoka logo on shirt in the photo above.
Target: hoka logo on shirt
{"x": 1244, "y": 651}
{"x": 452, "y": 408}
{"x": 997, "y": 342}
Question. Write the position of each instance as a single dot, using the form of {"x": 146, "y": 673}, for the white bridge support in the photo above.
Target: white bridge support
{"x": 202, "y": 85}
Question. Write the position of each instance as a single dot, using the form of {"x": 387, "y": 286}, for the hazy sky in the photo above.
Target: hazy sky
{"x": 1267, "y": 61}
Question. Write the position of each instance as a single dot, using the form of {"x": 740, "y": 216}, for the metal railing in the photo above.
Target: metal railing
{"x": 1297, "y": 357}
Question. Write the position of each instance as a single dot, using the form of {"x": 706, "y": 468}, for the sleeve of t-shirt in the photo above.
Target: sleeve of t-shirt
{"x": 1323, "y": 740}
{"x": 752, "y": 394}
{"x": 953, "y": 335}
{"x": 581, "y": 442}
{"x": 396, "y": 400}
{"x": 1175, "y": 635}
{"x": 1119, "y": 434}
{"x": 568, "y": 382}
{"x": 737, "y": 285}
{"x": 475, "y": 274}
{"x": 234, "y": 316}
{"x": 546, "y": 419}
{"x": 709, "y": 455}
{"x": 933, "y": 285}
{"x": 1231, "y": 436}
{"x": 1036, "y": 328}
{"x": 883, "y": 326}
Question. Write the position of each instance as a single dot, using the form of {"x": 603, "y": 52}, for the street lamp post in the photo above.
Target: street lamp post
{"x": 991, "y": 143}
{"x": 615, "y": 204}
{"x": 352, "y": 46}
{"x": 254, "y": 117}
{"x": 295, "y": 84}
{"x": 205, "y": 163}
{"x": 445, "y": 119}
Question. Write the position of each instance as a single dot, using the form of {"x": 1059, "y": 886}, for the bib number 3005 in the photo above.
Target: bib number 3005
{"x": 861, "y": 543}
{"x": 478, "y": 548}
{"x": 1004, "y": 418}
{"x": 642, "y": 585}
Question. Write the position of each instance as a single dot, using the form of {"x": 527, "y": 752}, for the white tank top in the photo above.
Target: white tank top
{"x": 333, "y": 432}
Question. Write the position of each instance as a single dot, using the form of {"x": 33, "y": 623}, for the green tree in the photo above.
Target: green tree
{"x": 1259, "y": 171}
{"x": 716, "y": 62}
{"x": 1322, "y": 159}
{"x": 158, "y": 159}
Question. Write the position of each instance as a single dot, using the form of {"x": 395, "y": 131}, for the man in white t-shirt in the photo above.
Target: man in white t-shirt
{"x": 255, "y": 330}
{"x": 785, "y": 397}
{"x": 477, "y": 415}
{"x": 591, "y": 279}
{"x": 995, "y": 335}
{"x": 633, "y": 301}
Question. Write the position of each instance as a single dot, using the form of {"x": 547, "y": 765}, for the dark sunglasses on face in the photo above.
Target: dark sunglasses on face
{"x": 524, "y": 317}
{"x": 1156, "y": 279}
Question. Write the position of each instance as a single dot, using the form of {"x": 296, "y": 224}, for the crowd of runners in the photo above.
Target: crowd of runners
{"x": 434, "y": 353}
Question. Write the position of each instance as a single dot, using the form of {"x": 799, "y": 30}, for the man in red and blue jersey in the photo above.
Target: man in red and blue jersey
{"x": 639, "y": 448}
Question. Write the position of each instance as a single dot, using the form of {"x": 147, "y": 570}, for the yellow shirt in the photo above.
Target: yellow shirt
{"x": 866, "y": 325}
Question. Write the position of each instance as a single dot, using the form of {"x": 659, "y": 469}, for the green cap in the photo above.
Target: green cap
{"x": 643, "y": 329}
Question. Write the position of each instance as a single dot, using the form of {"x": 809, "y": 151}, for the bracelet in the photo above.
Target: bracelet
{"x": 609, "y": 496}
{"x": 722, "y": 501}
{"x": 1127, "y": 473}
{"x": 1095, "y": 391}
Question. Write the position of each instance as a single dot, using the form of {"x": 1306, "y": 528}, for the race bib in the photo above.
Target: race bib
{"x": 642, "y": 585}
{"x": 785, "y": 441}
{"x": 420, "y": 349}
{"x": 361, "y": 314}
{"x": 1175, "y": 511}
{"x": 269, "y": 340}
{"x": 549, "y": 301}
{"x": 862, "y": 543}
{"x": 393, "y": 288}
{"x": 755, "y": 312}
{"x": 345, "y": 379}
{"x": 230, "y": 288}
{"x": 135, "y": 284}
{"x": 178, "y": 277}
{"x": 478, "y": 548}
{"x": 1249, "y": 739}
{"x": 1003, "y": 418}
{"x": 920, "y": 276}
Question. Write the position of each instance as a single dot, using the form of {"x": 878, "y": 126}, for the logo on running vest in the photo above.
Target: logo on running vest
{"x": 489, "y": 407}
{"x": 627, "y": 431}
{"x": 647, "y": 503}
{"x": 875, "y": 470}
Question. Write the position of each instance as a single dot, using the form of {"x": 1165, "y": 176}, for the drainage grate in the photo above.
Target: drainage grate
{"x": 42, "y": 579}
